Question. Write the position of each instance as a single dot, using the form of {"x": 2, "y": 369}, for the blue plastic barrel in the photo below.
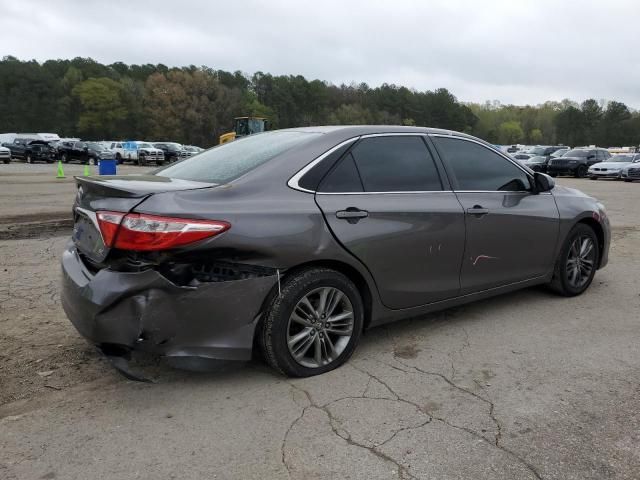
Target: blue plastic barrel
{"x": 107, "y": 166}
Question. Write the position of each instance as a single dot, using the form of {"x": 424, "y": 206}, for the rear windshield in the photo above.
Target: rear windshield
{"x": 232, "y": 160}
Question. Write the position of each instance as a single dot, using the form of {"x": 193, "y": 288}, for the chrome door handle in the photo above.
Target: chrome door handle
{"x": 477, "y": 210}
{"x": 352, "y": 214}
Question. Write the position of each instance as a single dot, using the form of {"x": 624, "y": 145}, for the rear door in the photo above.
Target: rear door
{"x": 388, "y": 202}
{"x": 511, "y": 233}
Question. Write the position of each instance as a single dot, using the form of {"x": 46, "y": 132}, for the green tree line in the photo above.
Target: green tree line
{"x": 194, "y": 105}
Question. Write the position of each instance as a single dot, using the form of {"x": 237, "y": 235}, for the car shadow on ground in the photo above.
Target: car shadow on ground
{"x": 398, "y": 337}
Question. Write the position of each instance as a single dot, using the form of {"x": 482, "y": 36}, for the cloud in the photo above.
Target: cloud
{"x": 514, "y": 51}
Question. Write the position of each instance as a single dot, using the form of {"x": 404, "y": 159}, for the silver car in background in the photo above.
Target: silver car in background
{"x": 614, "y": 166}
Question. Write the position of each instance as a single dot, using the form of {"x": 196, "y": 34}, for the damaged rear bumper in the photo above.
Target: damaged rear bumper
{"x": 145, "y": 311}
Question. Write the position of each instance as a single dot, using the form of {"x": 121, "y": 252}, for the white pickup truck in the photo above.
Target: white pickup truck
{"x": 136, "y": 151}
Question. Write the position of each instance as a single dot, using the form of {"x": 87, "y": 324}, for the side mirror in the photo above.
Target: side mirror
{"x": 543, "y": 182}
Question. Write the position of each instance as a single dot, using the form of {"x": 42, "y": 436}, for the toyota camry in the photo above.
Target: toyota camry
{"x": 292, "y": 242}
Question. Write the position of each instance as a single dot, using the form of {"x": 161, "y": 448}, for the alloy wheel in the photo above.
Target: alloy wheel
{"x": 580, "y": 261}
{"x": 320, "y": 327}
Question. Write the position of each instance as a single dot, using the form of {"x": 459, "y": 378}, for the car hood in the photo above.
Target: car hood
{"x": 627, "y": 166}
{"x": 610, "y": 164}
{"x": 4, "y": 149}
{"x": 572, "y": 158}
{"x": 536, "y": 159}
{"x": 562, "y": 191}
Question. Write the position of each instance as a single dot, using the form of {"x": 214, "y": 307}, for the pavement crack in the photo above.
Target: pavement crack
{"x": 498, "y": 436}
{"x": 337, "y": 429}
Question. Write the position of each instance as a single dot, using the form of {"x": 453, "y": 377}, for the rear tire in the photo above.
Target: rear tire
{"x": 593, "y": 178}
{"x": 119, "y": 158}
{"x": 278, "y": 334}
{"x": 566, "y": 269}
{"x": 553, "y": 175}
{"x": 628, "y": 180}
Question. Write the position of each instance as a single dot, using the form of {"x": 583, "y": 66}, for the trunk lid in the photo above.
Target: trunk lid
{"x": 120, "y": 193}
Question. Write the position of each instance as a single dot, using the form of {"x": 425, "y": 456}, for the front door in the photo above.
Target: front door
{"x": 385, "y": 202}
{"x": 511, "y": 232}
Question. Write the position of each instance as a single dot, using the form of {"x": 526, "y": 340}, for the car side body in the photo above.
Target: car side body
{"x": 408, "y": 252}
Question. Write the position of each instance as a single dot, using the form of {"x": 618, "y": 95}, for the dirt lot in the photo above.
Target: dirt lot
{"x": 527, "y": 385}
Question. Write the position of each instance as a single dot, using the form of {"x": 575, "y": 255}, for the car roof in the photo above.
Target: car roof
{"x": 356, "y": 130}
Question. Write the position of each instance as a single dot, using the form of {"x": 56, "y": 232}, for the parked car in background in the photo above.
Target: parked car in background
{"x": 5, "y": 155}
{"x": 148, "y": 153}
{"x": 612, "y": 168}
{"x": 577, "y": 161}
{"x": 136, "y": 151}
{"x": 84, "y": 152}
{"x": 539, "y": 157}
{"x": 298, "y": 240}
{"x": 560, "y": 152}
{"x": 192, "y": 150}
{"x": 31, "y": 150}
{"x": 631, "y": 171}
{"x": 172, "y": 151}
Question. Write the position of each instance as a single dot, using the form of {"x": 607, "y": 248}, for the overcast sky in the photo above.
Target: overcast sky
{"x": 514, "y": 51}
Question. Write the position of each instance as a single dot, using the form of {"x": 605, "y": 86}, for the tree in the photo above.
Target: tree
{"x": 535, "y": 136}
{"x": 510, "y": 132}
{"x": 102, "y": 107}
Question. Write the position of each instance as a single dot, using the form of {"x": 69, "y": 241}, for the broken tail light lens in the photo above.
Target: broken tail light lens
{"x": 143, "y": 232}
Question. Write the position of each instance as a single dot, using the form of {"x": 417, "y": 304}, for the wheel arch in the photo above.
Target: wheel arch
{"x": 347, "y": 270}
{"x": 599, "y": 231}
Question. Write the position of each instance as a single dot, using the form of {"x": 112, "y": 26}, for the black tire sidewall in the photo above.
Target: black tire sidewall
{"x": 560, "y": 275}
{"x": 276, "y": 321}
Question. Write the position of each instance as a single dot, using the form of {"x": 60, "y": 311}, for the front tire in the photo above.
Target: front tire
{"x": 28, "y": 158}
{"x": 64, "y": 158}
{"x": 313, "y": 325}
{"x": 627, "y": 180}
{"x": 577, "y": 263}
{"x": 142, "y": 161}
{"x": 581, "y": 171}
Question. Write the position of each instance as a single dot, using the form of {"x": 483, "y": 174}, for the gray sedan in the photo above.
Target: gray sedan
{"x": 295, "y": 241}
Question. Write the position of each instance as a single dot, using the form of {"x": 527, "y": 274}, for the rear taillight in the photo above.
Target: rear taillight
{"x": 139, "y": 231}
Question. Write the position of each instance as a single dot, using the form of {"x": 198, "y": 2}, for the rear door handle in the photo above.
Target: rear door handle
{"x": 352, "y": 214}
{"x": 477, "y": 210}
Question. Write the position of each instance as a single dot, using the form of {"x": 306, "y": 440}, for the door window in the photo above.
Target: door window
{"x": 478, "y": 168}
{"x": 395, "y": 164}
{"x": 343, "y": 178}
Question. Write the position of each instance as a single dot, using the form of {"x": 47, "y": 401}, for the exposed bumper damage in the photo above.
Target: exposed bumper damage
{"x": 124, "y": 311}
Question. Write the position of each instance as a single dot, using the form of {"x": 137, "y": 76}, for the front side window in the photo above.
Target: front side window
{"x": 395, "y": 164}
{"x": 477, "y": 168}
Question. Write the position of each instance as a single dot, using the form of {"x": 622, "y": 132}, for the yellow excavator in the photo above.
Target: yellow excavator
{"x": 243, "y": 126}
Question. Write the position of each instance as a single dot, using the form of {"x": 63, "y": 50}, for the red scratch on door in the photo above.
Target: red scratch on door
{"x": 482, "y": 257}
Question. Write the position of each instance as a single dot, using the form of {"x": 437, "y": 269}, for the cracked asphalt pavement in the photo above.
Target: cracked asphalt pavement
{"x": 523, "y": 386}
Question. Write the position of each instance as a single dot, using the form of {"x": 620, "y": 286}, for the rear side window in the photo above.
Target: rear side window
{"x": 478, "y": 168}
{"x": 343, "y": 178}
{"x": 395, "y": 164}
{"x": 232, "y": 160}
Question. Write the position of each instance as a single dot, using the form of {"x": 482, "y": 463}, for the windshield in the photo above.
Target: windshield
{"x": 231, "y": 160}
{"x": 559, "y": 153}
{"x": 144, "y": 145}
{"x": 537, "y": 151}
{"x": 621, "y": 158}
{"x": 537, "y": 159}
{"x": 578, "y": 153}
{"x": 96, "y": 146}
